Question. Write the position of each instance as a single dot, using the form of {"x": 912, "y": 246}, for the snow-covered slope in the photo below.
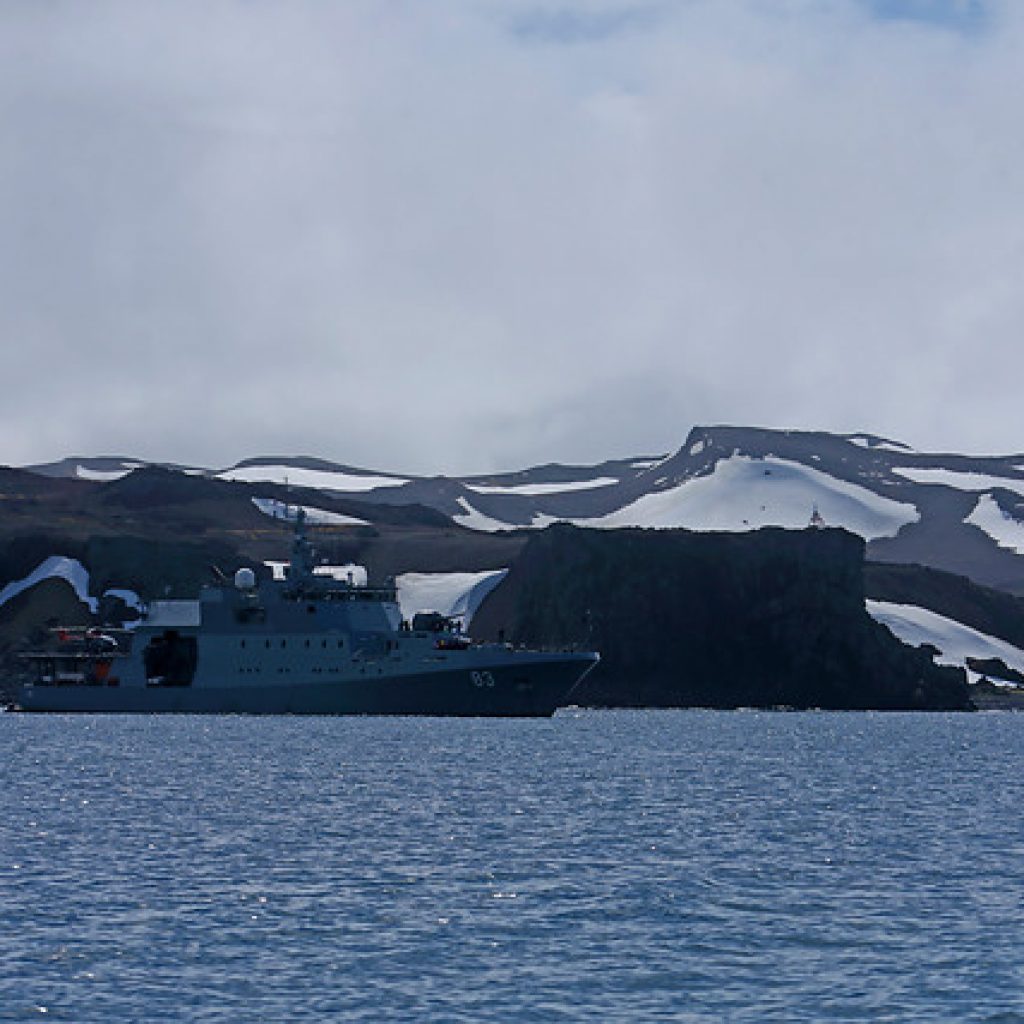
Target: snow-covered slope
{"x": 534, "y": 490}
{"x": 55, "y": 567}
{"x": 458, "y": 594}
{"x": 955, "y": 641}
{"x": 1006, "y": 531}
{"x": 74, "y": 574}
{"x": 321, "y": 479}
{"x": 743, "y": 493}
{"x": 959, "y": 480}
{"x": 471, "y": 519}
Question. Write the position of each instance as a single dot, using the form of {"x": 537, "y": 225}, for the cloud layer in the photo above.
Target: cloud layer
{"x": 450, "y": 237}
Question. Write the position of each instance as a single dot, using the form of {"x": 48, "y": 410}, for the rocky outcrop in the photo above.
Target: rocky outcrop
{"x": 769, "y": 618}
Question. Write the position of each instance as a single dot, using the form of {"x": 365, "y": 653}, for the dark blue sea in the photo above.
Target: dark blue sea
{"x": 617, "y": 866}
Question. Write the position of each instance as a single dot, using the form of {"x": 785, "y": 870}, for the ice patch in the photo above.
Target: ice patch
{"x": 314, "y": 516}
{"x": 323, "y": 479}
{"x": 697, "y": 447}
{"x": 55, "y": 567}
{"x": 961, "y": 481}
{"x": 538, "y": 489}
{"x": 745, "y": 493}
{"x": 1006, "y": 531}
{"x": 474, "y": 520}
{"x": 458, "y": 594}
{"x": 957, "y": 642}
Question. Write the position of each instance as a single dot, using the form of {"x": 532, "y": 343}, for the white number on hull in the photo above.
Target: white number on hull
{"x": 482, "y": 678}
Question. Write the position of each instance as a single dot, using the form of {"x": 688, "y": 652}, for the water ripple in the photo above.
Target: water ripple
{"x": 684, "y": 866}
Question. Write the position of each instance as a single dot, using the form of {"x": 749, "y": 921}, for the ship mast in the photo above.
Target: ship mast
{"x": 300, "y": 569}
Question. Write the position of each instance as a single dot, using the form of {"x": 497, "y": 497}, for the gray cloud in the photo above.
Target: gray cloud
{"x": 431, "y": 237}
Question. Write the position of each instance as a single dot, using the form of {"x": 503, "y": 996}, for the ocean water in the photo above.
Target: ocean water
{"x": 617, "y": 866}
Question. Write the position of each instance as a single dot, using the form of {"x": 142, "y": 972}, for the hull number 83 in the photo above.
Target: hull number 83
{"x": 482, "y": 678}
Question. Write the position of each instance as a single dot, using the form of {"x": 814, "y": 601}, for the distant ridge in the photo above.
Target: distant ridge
{"x": 960, "y": 513}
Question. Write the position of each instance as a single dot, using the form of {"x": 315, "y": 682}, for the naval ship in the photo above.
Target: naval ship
{"x": 302, "y": 644}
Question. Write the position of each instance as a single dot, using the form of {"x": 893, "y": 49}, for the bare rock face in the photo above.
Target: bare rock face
{"x": 769, "y": 618}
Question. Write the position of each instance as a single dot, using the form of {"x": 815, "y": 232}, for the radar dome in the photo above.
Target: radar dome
{"x": 245, "y": 579}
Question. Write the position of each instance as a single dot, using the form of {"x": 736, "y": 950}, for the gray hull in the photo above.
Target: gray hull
{"x": 535, "y": 689}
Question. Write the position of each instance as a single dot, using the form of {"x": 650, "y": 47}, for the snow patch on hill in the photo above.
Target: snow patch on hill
{"x": 105, "y": 475}
{"x": 960, "y": 480}
{"x": 314, "y": 516}
{"x": 470, "y": 518}
{"x": 957, "y": 642}
{"x": 323, "y": 479}
{"x": 458, "y": 594}
{"x": 745, "y": 493}
{"x": 543, "y": 488}
{"x": 1006, "y": 531}
{"x": 55, "y": 567}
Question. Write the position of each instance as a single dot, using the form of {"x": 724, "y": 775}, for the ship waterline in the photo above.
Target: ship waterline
{"x": 528, "y": 684}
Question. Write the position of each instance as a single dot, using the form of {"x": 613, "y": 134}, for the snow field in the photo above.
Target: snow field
{"x": 1006, "y": 531}
{"x": 327, "y": 480}
{"x": 957, "y": 642}
{"x": 539, "y": 489}
{"x": 474, "y": 520}
{"x": 457, "y": 594}
{"x": 75, "y": 575}
{"x": 745, "y": 493}
{"x": 960, "y": 481}
{"x": 104, "y": 475}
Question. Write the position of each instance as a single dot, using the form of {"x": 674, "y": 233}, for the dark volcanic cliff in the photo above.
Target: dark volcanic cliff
{"x": 767, "y": 618}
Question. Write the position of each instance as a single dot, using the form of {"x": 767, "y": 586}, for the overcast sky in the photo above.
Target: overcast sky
{"x": 477, "y": 235}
